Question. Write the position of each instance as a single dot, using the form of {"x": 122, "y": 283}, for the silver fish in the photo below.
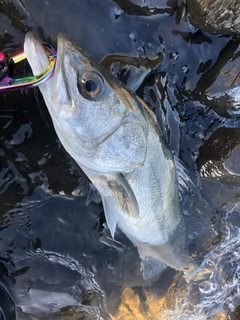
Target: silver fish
{"x": 115, "y": 138}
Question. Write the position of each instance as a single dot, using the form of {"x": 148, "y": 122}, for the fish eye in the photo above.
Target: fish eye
{"x": 92, "y": 85}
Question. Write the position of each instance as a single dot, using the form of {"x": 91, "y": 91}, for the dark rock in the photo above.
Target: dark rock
{"x": 218, "y": 86}
{"x": 215, "y": 16}
{"x": 218, "y": 155}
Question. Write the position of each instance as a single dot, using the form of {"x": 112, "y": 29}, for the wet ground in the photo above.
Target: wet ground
{"x": 57, "y": 259}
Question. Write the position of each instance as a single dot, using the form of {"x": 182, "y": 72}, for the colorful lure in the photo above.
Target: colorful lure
{"x": 7, "y": 63}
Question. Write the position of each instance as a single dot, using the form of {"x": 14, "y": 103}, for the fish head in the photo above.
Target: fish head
{"x": 95, "y": 116}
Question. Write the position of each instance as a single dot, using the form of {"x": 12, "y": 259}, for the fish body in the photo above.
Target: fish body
{"x": 116, "y": 140}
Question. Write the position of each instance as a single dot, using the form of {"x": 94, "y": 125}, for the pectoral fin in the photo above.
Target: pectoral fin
{"x": 117, "y": 199}
{"x": 124, "y": 196}
{"x": 117, "y": 196}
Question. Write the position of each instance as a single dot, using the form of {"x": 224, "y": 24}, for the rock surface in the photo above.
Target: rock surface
{"x": 215, "y": 16}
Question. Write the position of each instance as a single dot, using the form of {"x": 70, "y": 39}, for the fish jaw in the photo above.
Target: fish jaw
{"x": 105, "y": 132}
{"x": 36, "y": 54}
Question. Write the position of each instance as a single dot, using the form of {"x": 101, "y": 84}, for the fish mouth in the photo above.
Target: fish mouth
{"x": 67, "y": 67}
{"x": 76, "y": 55}
{"x": 70, "y": 55}
{"x": 36, "y": 54}
{"x": 62, "y": 45}
{"x": 72, "y": 62}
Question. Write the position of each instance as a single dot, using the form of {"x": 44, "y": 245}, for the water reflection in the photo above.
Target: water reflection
{"x": 49, "y": 261}
{"x": 57, "y": 259}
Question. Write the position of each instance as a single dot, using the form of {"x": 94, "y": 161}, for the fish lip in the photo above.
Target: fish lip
{"x": 62, "y": 44}
{"x": 39, "y": 60}
{"x": 67, "y": 48}
{"x": 69, "y": 56}
{"x": 65, "y": 52}
{"x": 75, "y": 54}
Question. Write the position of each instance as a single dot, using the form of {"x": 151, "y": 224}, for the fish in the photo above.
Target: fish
{"x": 115, "y": 138}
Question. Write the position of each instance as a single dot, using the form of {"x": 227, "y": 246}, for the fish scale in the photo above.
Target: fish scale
{"x": 116, "y": 140}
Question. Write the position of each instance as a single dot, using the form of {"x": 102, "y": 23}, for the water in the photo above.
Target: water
{"x": 57, "y": 259}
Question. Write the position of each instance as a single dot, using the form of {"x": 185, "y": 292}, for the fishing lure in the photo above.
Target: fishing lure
{"x": 8, "y": 63}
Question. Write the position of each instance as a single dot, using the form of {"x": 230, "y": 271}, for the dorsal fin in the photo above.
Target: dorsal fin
{"x": 185, "y": 184}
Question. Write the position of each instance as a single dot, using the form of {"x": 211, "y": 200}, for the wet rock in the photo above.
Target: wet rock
{"x": 220, "y": 153}
{"x": 131, "y": 70}
{"x": 215, "y": 16}
{"x": 147, "y": 8}
{"x": 232, "y": 163}
{"x": 219, "y": 85}
{"x": 14, "y": 10}
{"x": 141, "y": 304}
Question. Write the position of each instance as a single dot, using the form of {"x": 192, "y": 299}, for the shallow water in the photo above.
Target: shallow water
{"x": 57, "y": 259}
